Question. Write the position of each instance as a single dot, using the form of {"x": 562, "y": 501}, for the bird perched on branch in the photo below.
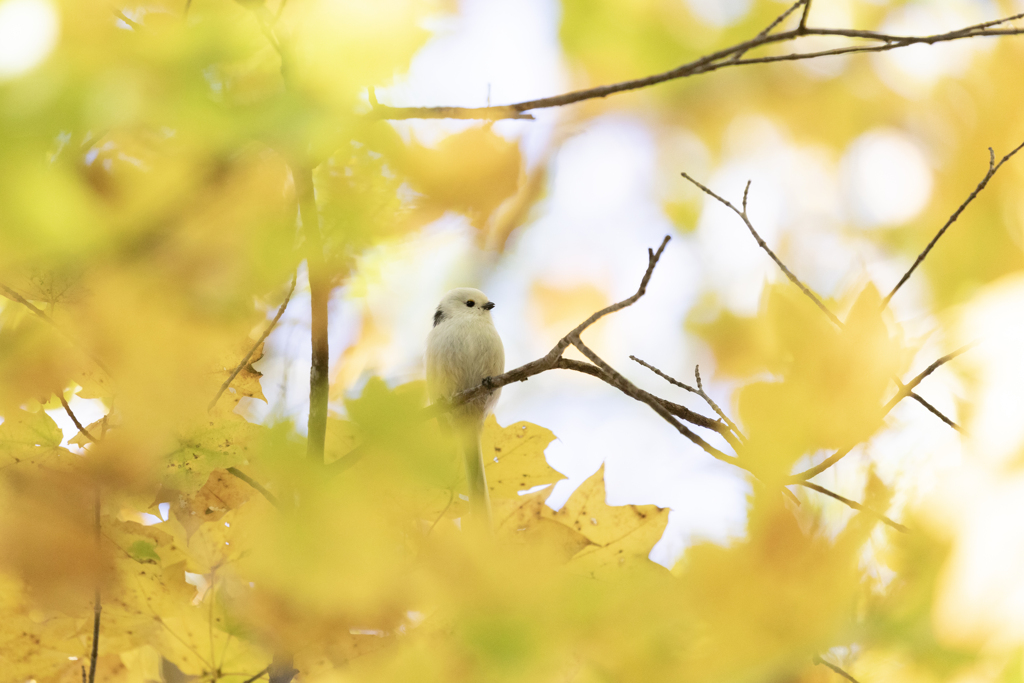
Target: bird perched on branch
{"x": 463, "y": 349}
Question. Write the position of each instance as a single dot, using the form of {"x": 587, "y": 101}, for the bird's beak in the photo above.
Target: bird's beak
{"x": 488, "y": 306}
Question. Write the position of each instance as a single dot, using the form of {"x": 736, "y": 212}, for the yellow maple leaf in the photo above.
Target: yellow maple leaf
{"x": 514, "y": 457}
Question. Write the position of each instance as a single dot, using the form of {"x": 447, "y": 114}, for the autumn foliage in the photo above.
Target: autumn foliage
{"x": 150, "y": 230}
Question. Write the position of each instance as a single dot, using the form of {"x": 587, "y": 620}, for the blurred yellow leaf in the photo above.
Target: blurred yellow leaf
{"x": 221, "y": 493}
{"x": 832, "y": 382}
{"x": 471, "y": 172}
{"x": 218, "y": 441}
{"x": 563, "y": 308}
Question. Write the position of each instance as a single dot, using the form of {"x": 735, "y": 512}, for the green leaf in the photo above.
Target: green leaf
{"x": 30, "y": 438}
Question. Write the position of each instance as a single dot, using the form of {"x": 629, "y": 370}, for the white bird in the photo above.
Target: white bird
{"x": 463, "y": 349}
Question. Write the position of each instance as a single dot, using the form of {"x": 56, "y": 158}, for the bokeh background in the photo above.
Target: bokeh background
{"x": 854, "y": 161}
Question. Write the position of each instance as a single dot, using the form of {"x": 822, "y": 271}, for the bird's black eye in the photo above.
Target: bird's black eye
{"x": 471, "y": 303}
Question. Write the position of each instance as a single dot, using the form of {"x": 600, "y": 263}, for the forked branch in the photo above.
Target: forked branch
{"x": 761, "y": 243}
{"x": 728, "y": 57}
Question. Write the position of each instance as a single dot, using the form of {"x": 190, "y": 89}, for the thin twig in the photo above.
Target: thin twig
{"x": 711, "y": 62}
{"x": 451, "y": 499}
{"x": 97, "y": 605}
{"x": 768, "y": 29}
{"x": 912, "y": 384}
{"x": 935, "y": 411}
{"x": 628, "y": 387}
{"x": 664, "y": 376}
{"x": 263, "y": 337}
{"x": 699, "y": 391}
{"x": 854, "y": 504}
{"x": 905, "y": 390}
{"x": 761, "y": 243}
{"x": 803, "y": 17}
{"x": 992, "y": 168}
{"x": 259, "y": 675}
{"x": 743, "y": 214}
{"x": 819, "y": 660}
{"x": 13, "y": 295}
{"x": 674, "y": 408}
{"x": 256, "y": 485}
{"x": 67, "y": 409}
{"x": 714, "y": 406}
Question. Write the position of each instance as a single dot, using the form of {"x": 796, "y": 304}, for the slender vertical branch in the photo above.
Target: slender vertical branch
{"x": 768, "y": 29}
{"x": 97, "y": 606}
{"x": 803, "y": 17}
{"x": 319, "y": 289}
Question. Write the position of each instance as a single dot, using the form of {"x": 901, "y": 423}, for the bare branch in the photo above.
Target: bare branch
{"x": 992, "y": 168}
{"x": 256, "y": 485}
{"x": 67, "y": 409}
{"x": 932, "y": 409}
{"x": 853, "y": 504}
{"x": 14, "y": 296}
{"x": 912, "y": 384}
{"x": 664, "y": 376}
{"x": 803, "y": 17}
{"x": 819, "y": 660}
{"x": 935, "y": 411}
{"x": 674, "y": 408}
{"x": 628, "y": 387}
{"x": 778, "y": 20}
{"x": 97, "y": 606}
{"x": 714, "y": 406}
{"x": 263, "y": 337}
{"x": 700, "y": 392}
{"x": 383, "y": 111}
{"x": 712, "y": 62}
{"x": 259, "y": 675}
{"x": 761, "y": 243}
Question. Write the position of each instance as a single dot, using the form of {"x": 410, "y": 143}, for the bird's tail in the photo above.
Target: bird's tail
{"x": 479, "y": 498}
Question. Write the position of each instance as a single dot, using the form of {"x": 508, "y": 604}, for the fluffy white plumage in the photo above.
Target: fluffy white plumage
{"x": 463, "y": 348}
